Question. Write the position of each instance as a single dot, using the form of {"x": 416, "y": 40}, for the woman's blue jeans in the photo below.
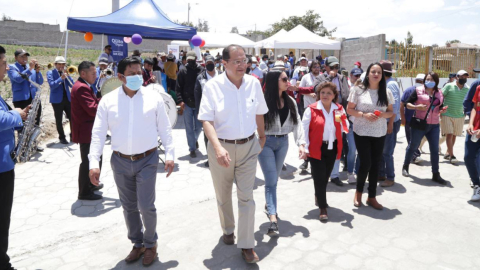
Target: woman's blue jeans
{"x": 271, "y": 161}
{"x": 432, "y": 132}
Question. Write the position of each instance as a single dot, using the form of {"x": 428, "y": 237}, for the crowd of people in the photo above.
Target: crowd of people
{"x": 246, "y": 106}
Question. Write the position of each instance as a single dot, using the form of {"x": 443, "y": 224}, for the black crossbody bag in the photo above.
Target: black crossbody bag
{"x": 421, "y": 124}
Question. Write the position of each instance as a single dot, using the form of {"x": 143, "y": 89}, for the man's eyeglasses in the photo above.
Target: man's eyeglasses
{"x": 357, "y": 76}
{"x": 284, "y": 79}
{"x": 336, "y": 67}
{"x": 239, "y": 62}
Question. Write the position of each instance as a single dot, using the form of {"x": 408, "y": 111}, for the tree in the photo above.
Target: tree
{"x": 184, "y": 23}
{"x": 234, "y": 30}
{"x": 6, "y": 18}
{"x": 310, "y": 20}
{"x": 202, "y": 26}
{"x": 452, "y": 41}
{"x": 409, "y": 38}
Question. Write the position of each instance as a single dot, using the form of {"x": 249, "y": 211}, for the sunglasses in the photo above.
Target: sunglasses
{"x": 356, "y": 76}
{"x": 284, "y": 79}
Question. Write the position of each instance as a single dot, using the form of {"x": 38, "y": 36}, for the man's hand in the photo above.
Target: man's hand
{"x": 421, "y": 107}
{"x": 223, "y": 157}
{"x": 390, "y": 127}
{"x": 153, "y": 79}
{"x": 94, "y": 175}
{"x": 169, "y": 165}
{"x": 262, "y": 141}
{"x": 312, "y": 95}
{"x": 404, "y": 121}
{"x": 22, "y": 113}
{"x": 182, "y": 108}
{"x": 32, "y": 63}
{"x": 301, "y": 152}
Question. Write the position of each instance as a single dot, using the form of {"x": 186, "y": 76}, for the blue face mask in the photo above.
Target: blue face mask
{"x": 429, "y": 84}
{"x": 254, "y": 65}
{"x": 217, "y": 65}
{"x": 134, "y": 82}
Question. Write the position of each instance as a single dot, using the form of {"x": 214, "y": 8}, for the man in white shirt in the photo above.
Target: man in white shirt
{"x": 264, "y": 63}
{"x": 135, "y": 117}
{"x": 231, "y": 109}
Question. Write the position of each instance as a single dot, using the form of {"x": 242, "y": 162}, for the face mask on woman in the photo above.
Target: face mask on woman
{"x": 429, "y": 84}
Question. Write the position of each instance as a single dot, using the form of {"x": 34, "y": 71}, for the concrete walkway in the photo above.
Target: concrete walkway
{"x": 423, "y": 225}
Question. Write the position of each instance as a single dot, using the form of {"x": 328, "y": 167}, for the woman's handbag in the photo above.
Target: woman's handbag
{"x": 421, "y": 124}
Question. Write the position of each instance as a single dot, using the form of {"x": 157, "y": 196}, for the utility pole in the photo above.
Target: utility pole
{"x": 188, "y": 19}
{"x": 115, "y": 5}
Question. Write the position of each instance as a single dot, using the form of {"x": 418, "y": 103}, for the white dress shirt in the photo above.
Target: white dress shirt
{"x": 307, "y": 81}
{"x": 134, "y": 123}
{"x": 329, "y": 129}
{"x": 233, "y": 110}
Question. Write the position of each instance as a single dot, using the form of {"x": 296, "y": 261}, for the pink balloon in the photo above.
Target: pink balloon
{"x": 127, "y": 39}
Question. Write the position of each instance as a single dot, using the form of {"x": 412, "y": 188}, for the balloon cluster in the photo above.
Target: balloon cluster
{"x": 135, "y": 39}
{"x": 196, "y": 41}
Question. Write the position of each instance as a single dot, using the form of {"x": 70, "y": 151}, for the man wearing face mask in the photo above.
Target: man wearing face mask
{"x": 255, "y": 70}
{"x": 84, "y": 104}
{"x": 454, "y": 117}
{"x": 60, "y": 85}
{"x": 101, "y": 76}
{"x": 185, "y": 89}
{"x": 209, "y": 73}
{"x": 136, "y": 117}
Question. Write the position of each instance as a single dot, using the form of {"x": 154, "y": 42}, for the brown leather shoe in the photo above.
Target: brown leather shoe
{"x": 229, "y": 239}
{"x": 150, "y": 255}
{"x": 323, "y": 215}
{"x": 135, "y": 254}
{"x": 357, "y": 200}
{"x": 373, "y": 203}
{"x": 249, "y": 255}
{"x": 387, "y": 183}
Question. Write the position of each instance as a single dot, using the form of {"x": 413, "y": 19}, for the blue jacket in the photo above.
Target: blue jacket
{"x": 9, "y": 120}
{"x": 56, "y": 86}
{"x": 21, "y": 88}
{"x": 467, "y": 102}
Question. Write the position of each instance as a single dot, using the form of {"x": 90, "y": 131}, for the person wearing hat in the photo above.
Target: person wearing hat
{"x": 451, "y": 78}
{"x": 185, "y": 89}
{"x": 20, "y": 74}
{"x": 171, "y": 70}
{"x": 358, "y": 65}
{"x": 60, "y": 86}
{"x": 162, "y": 59}
{"x": 386, "y": 171}
{"x": 138, "y": 54}
{"x": 467, "y": 102}
{"x": 454, "y": 117}
{"x": 11, "y": 120}
{"x": 107, "y": 53}
{"x": 147, "y": 72}
{"x": 407, "y": 114}
{"x": 264, "y": 63}
{"x": 209, "y": 73}
{"x": 303, "y": 63}
{"x": 101, "y": 76}
{"x": 255, "y": 69}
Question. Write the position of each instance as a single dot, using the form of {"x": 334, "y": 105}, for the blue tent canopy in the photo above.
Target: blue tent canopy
{"x": 142, "y": 17}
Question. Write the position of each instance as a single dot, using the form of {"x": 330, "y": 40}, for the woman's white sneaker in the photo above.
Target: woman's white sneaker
{"x": 351, "y": 178}
{"x": 476, "y": 193}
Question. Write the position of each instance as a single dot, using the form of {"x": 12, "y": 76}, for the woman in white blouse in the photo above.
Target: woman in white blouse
{"x": 371, "y": 105}
{"x": 323, "y": 123}
{"x": 281, "y": 119}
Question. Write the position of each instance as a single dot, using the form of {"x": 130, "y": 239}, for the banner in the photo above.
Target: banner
{"x": 119, "y": 48}
{"x": 175, "y": 50}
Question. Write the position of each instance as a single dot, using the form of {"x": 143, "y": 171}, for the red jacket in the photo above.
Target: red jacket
{"x": 316, "y": 128}
{"x": 84, "y": 109}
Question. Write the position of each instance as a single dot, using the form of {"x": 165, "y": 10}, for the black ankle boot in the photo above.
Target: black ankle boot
{"x": 405, "y": 170}
{"x": 437, "y": 178}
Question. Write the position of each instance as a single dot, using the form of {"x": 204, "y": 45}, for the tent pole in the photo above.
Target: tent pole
{"x": 101, "y": 49}
{"x": 66, "y": 44}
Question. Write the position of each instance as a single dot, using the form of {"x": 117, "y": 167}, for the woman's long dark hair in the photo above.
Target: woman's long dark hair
{"x": 273, "y": 100}
{"x": 435, "y": 78}
{"x": 382, "y": 86}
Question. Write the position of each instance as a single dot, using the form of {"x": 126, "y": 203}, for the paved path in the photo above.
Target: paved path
{"x": 423, "y": 225}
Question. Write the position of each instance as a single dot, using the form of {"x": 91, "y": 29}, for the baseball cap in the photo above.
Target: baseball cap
{"x": 452, "y": 75}
{"x": 102, "y": 60}
{"x": 420, "y": 76}
{"x": 209, "y": 58}
{"x": 254, "y": 60}
{"x": 462, "y": 72}
{"x": 21, "y": 52}
{"x": 358, "y": 64}
{"x": 356, "y": 72}
{"x": 191, "y": 55}
{"x": 476, "y": 70}
{"x": 331, "y": 61}
{"x": 302, "y": 58}
{"x": 60, "y": 60}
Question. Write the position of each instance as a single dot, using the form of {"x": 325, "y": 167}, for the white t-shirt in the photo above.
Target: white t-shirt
{"x": 307, "y": 81}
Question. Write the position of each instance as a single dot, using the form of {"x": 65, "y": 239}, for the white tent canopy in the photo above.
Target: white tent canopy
{"x": 301, "y": 38}
{"x": 219, "y": 40}
{"x": 270, "y": 42}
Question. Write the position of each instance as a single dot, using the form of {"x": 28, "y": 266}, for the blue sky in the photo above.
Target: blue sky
{"x": 430, "y": 21}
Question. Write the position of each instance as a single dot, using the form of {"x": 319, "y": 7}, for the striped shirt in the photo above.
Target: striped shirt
{"x": 453, "y": 98}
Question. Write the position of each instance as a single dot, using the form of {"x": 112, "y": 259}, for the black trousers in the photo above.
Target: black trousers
{"x": 370, "y": 151}
{"x": 24, "y": 103}
{"x": 7, "y": 180}
{"x": 58, "y": 109}
{"x": 84, "y": 185}
{"x": 321, "y": 170}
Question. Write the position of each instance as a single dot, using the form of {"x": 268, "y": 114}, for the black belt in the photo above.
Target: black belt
{"x": 137, "y": 156}
{"x": 278, "y": 136}
{"x": 239, "y": 141}
{"x": 326, "y": 142}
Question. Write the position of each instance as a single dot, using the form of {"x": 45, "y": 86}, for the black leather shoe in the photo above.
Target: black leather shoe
{"x": 94, "y": 188}
{"x": 63, "y": 141}
{"x": 206, "y": 164}
{"x": 437, "y": 178}
{"x": 91, "y": 197}
{"x": 336, "y": 181}
{"x": 196, "y": 145}
{"x": 39, "y": 149}
{"x": 304, "y": 165}
{"x": 193, "y": 154}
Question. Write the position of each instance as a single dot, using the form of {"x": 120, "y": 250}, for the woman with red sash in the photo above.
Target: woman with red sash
{"x": 323, "y": 123}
